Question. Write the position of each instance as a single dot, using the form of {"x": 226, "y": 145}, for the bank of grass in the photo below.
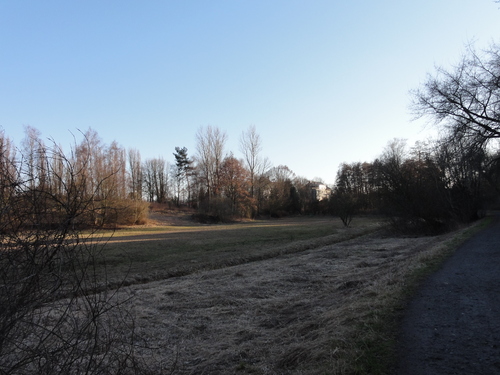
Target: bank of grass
{"x": 376, "y": 344}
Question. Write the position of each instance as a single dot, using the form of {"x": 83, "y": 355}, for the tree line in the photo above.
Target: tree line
{"x": 223, "y": 187}
{"x": 436, "y": 185}
{"x": 213, "y": 182}
{"x": 429, "y": 186}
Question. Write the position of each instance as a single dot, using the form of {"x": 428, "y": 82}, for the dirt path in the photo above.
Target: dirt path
{"x": 453, "y": 324}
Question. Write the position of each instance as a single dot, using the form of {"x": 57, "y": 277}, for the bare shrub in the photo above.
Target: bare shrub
{"x": 124, "y": 212}
{"x": 57, "y": 315}
{"x": 344, "y": 205}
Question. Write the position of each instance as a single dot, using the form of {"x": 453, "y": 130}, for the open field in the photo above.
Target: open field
{"x": 160, "y": 251}
{"x": 280, "y": 297}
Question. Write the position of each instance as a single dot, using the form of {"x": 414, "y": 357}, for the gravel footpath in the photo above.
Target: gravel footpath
{"x": 452, "y": 326}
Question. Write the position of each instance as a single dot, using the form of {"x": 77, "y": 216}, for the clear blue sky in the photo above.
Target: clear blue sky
{"x": 323, "y": 81}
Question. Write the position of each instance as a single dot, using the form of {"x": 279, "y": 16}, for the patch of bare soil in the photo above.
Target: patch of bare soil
{"x": 294, "y": 314}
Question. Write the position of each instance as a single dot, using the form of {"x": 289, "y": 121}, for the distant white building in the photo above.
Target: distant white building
{"x": 319, "y": 191}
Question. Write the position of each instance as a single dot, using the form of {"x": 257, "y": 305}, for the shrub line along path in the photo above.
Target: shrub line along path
{"x": 452, "y": 325}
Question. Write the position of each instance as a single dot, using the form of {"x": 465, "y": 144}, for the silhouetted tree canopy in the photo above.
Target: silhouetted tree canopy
{"x": 466, "y": 99}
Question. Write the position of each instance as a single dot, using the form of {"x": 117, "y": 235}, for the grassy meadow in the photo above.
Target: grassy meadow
{"x": 292, "y": 296}
{"x": 141, "y": 254}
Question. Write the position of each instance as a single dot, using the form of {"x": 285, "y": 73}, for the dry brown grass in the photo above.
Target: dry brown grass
{"x": 314, "y": 309}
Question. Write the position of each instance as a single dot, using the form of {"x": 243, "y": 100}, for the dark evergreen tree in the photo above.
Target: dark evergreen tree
{"x": 183, "y": 171}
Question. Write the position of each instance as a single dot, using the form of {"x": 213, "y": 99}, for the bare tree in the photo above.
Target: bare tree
{"x": 156, "y": 181}
{"x": 89, "y": 153}
{"x": 262, "y": 184}
{"x": 105, "y": 176}
{"x": 414, "y": 190}
{"x": 33, "y": 150}
{"x": 116, "y": 166}
{"x": 210, "y": 142}
{"x": 344, "y": 205}
{"x": 251, "y": 147}
{"x": 354, "y": 186}
{"x": 463, "y": 167}
{"x": 466, "y": 99}
{"x": 8, "y": 172}
{"x": 280, "y": 190}
{"x": 135, "y": 170}
{"x": 57, "y": 314}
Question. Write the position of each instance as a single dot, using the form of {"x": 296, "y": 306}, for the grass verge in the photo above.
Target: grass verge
{"x": 376, "y": 343}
